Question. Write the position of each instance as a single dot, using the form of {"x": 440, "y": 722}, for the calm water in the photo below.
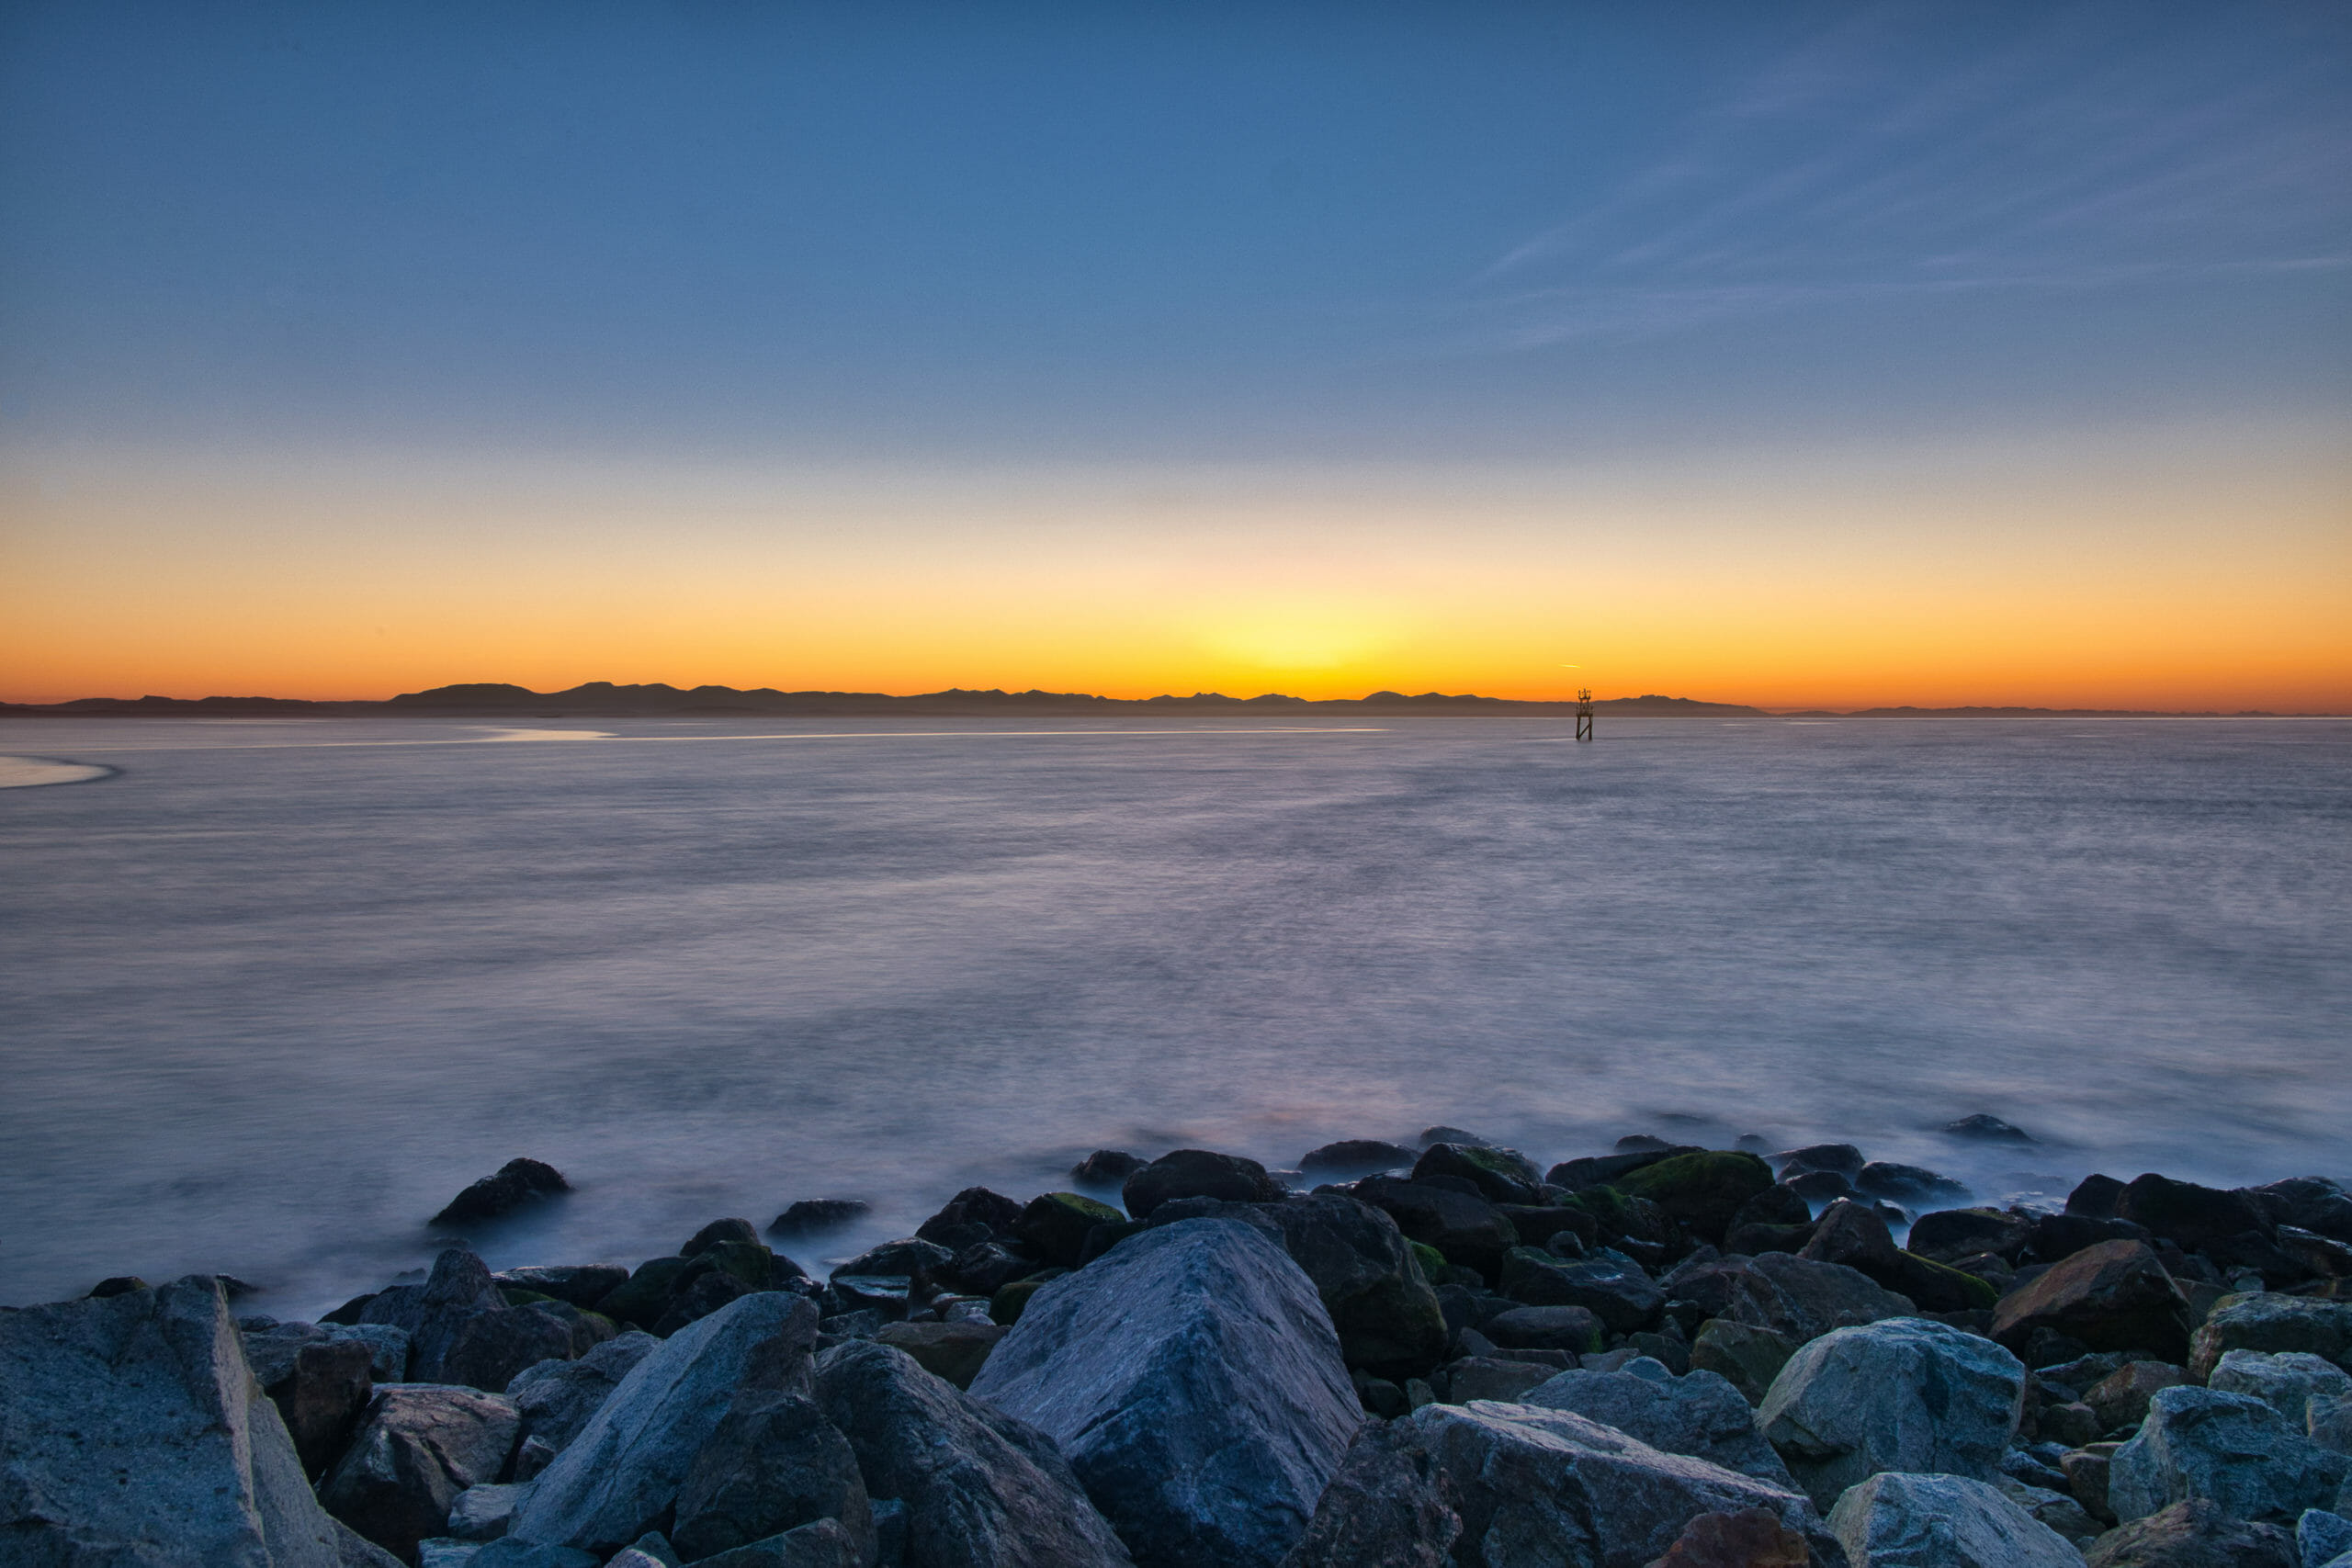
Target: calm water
{"x": 275, "y": 991}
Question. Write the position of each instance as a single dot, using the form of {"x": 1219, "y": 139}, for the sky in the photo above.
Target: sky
{"x": 1804, "y": 354}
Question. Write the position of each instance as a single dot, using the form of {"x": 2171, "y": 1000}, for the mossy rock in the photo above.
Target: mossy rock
{"x": 1620, "y": 1214}
{"x": 1938, "y": 1287}
{"x": 1435, "y": 1267}
{"x": 1055, "y": 1225}
{"x": 1702, "y": 1191}
{"x": 1006, "y": 1304}
{"x": 642, "y": 1298}
{"x": 1502, "y": 1176}
{"x": 747, "y": 1260}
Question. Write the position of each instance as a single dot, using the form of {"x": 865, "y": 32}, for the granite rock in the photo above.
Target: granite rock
{"x": 1899, "y": 1520}
{"x": 2229, "y": 1449}
{"x": 1699, "y": 1414}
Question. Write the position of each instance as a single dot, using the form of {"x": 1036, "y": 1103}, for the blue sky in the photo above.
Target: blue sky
{"x": 1267, "y": 232}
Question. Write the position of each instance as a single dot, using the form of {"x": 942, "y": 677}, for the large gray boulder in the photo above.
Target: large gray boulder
{"x": 556, "y": 1398}
{"x": 978, "y": 1489}
{"x": 2286, "y": 1380}
{"x": 1895, "y": 1520}
{"x": 1512, "y": 1484}
{"x": 1904, "y": 1394}
{"x": 1699, "y": 1414}
{"x": 623, "y": 1471}
{"x": 418, "y": 1446}
{"x": 133, "y": 1436}
{"x": 773, "y": 1464}
{"x": 1193, "y": 1380}
{"x": 2264, "y": 1321}
{"x": 2230, "y": 1449}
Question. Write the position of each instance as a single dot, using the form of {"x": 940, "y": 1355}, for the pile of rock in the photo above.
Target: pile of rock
{"x": 1667, "y": 1357}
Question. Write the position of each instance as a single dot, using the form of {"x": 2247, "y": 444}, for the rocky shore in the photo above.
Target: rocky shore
{"x": 1393, "y": 1357}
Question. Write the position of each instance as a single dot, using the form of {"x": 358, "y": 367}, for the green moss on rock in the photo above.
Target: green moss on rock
{"x": 1701, "y": 1191}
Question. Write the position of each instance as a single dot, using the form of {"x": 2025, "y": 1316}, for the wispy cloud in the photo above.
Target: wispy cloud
{"x": 1909, "y": 150}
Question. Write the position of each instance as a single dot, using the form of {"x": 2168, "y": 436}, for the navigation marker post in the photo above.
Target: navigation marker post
{"x": 1584, "y": 713}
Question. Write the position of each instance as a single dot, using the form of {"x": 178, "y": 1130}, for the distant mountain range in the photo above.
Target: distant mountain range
{"x": 603, "y": 699}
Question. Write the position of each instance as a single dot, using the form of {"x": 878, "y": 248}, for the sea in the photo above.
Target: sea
{"x": 272, "y": 992}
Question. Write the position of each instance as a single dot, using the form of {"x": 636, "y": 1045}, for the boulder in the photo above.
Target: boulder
{"x": 1489, "y": 1377}
{"x": 1356, "y": 1156}
{"x": 971, "y": 1217}
{"x": 517, "y": 1182}
{"x": 1699, "y": 1414}
{"x": 1441, "y": 1133}
{"x": 615, "y": 1479}
{"x": 2231, "y": 1449}
{"x": 2114, "y": 1296}
{"x": 1700, "y": 1191}
{"x": 824, "y": 1543}
{"x": 1949, "y": 1235}
{"x": 979, "y": 1488}
{"x": 1843, "y": 1158}
{"x": 815, "y": 1216}
{"x": 1601, "y": 1171}
{"x": 956, "y": 1351}
{"x": 2286, "y": 1380}
{"x": 418, "y": 1446}
{"x": 1501, "y": 1176}
{"x": 772, "y": 1464}
{"x": 461, "y": 1330}
{"x": 555, "y": 1399}
{"x": 481, "y": 1511}
{"x": 1512, "y": 1483}
{"x": 911, "y": 1257}
{"x": 1380, "y": 1302}
{"x": 2194, "y": 1534}
{"x": 2121, "y": 1398}
{"x": 1779, "y": 1204}
{"x": 1752, "y": 1538}
{"x": 1984, "y": 1129}
{"x": 2198, "y": 1218}
{"x": 2309, "y": 1203}
{"x": 1106, "y": 1167}
{"x": 1905, "y": 1183}
{"x": 2261, "y": 1321}
{"x": 131, "y": 1420}
{"x": 1904, "y": 1394}
{"x": 2322, "y": 1537}
{"x": 1746, "y": 1357}
{"x": 2060, "y": 1509}
{"x": 1194, "y": 1381}
{"x": 1612, "y": 1288}
{"x": 1789, "y": 1295}
{"x": 1897, "y": 1520}
{"x": 1575, "y": 1329}
{"x": 1053, "y": 1227}
{"x": 321, "y": 1398}
{"x": 582, "y": 1284}
{"x": 989, "y": 1267}
{"x": 2060, "y": 1236}
{"x": 1858, "y": 1237}
{"x": 1198, "y": 1173}
{"x": 1466, "y": 1230}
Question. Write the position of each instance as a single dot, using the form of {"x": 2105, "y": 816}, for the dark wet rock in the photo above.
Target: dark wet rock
{"x": 517, "y": 1182}
{"x": 2309, "y": 1203}
{"x": 1615, "y": 1291}
{"x": 2320, "y": 1256}
{"x": 1465, "y": 1229}
{"x": 1905, "y": 1183}
{"x": 1356, "y": 1156}
{"x": 1819, "y": 1187}
{"x": 582, "y": 1284}
{"x": 1752, "y": 1239}
{"x": 1856, "y": 1237}
{"x": 978, "y": 1486}
{"x": 974, "y": 1215}
{"x": 2290, "y": 1381}
{"x": 1194, "y": 1381}
{"x": 1630, "y": 1223}
{"x": 698, "y": 1297}
{"x": 1198, "y": 1173}
{"x": 2121, "y": 1398}
{"x": 1792, "y": 1296}
{"x": 2194, "y": 1534}
{"x": 2114, "y": 1296}
{"x": 1510, "y": 1484}
{"x": 911, "y": 1259}
{"x": 461, "y": 1328}
{"x": 720, "y": 1233}
{"x": 1779, "y": 1204}
{"x": 1501, "y": 1176}
{"x": 954, "y": 1351}
{"x": 2260, "y": 1321}
{"x": 1943, "y": 1521}
{"x": 481, "y": 1511}
{"x": 1601, "y": 1170}
{"x": 1571, "y": 1329}
{"x": 1904, "y": 1394}
{"x": 619, "y": 1477}
{"x": 2057, "y": 1237}
{"x": 1985, "y": 1129}
{"x": 1489, "y": 1377}
{"x": 1700, "y": 1414}
{"x": 1701, "y": 1192}
{"x": 989, "y": 1268}
{"x": 1752, "y": 1538}
{"x": 1844, "y": 1159}
{"x": 1053, "y": 1227}
{"x": 1106, "y": 1167}
{"x": 587, "y": 1329}
{"x": 2196, "y": 1217}
{"x": 1643, "y": 1143}
{"x": 1380, "y": 1302}
{"x": 2095, "y": 1198}
{"x": 1745, "y": 1356}
{"x": 1536, "y": 1224}
{"x": 2087, "y": 1469}
{"x": 815, "y": 1216}
{"x": 1946, "y": 1235}
{"x": 149, "y": 1384}
{"x": 555, "y": 1399}
{"x": 773, "y": 1463}
{"x": 418, "y": 1446}
{"x": 2231, "y": 1449}
{"x": 117, "y": 1285}
{"x": 321, "y": 1397}
{"x": 1444, "y": 1134}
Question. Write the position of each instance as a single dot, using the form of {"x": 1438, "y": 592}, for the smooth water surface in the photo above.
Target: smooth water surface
{"x": 278, "y": 989}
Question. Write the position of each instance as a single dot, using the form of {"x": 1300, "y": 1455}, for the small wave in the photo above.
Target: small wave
{"x": 26, "y": 772}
